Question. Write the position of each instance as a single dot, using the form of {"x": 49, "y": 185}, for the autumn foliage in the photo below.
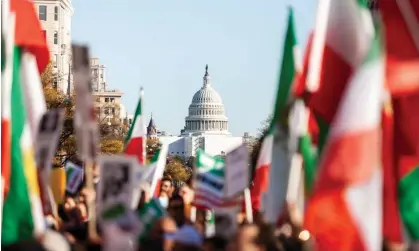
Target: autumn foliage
{"x": 110, "y": 142}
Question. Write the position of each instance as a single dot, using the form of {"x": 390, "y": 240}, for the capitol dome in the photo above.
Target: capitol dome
{"x": 206, "y": 111}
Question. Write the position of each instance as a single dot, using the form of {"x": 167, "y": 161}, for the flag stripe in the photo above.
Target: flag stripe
{"x": 402, "y": 54}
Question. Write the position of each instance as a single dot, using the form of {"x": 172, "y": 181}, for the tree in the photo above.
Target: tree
{"x": 66, "y": 148}
{"x": 111, "y": 146}
{"x": 111, "y": 137}
{"x": 176, "y": 169}
{"x": 178, "y": 158}
{"x": 152, "y": 146}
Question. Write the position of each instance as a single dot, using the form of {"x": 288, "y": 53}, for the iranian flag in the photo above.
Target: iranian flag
{"x": 7, "y": 43}
{"x": 135, "y": 143}
{"x": 334, "y": 51}
{"x": 22, "y": 208}
{"x": 155, "y": 170}
{"x": 401, "y": 19}
{"x": 289, "y": 69}
{"x": 345, "y": 212}
{"x": 341, "y": 39}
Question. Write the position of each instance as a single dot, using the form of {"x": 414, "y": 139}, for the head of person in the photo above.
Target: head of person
{"x": 166, "y": 185}
{"x": 252, "y": 237}
{"x": 186, "y": 193}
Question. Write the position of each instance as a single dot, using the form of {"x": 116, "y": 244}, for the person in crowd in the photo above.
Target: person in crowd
{"x": 166, "y": 185}
{"x": 252, "y": 237}
{"x": 176, "y": 210}
{"x": 164, "y": 199}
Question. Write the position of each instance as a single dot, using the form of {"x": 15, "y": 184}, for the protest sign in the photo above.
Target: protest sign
{"x": 74, "y": 177}
{"x": 209, "y": 180}
{"x": 237, "y": 171}
{"x": 115, "y": 186}
{"x": 85, "y": 123}
{"x": 49, "y": 131}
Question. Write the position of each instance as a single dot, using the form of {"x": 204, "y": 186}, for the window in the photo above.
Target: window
{"x": 55, "y": 84}
{"x": 113, "y": 110}
{"x": 55, "y": 60}
{"x": 106, "y": 111}
{"x": 95, "y": 73}
{"x": 55, "y": 37}
{"x": 56, "y": 13}
{"x": 42, "y": 12}
{"x": 44, "y": 33}
{"x": 112, "y": 100}
{"x": 106, "y": 100}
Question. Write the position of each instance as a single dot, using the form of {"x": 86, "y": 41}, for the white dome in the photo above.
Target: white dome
{"x": 206, "y": 95}
{"x": 206, "y": 111}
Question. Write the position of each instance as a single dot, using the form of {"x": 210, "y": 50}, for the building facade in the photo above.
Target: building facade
{"x": 98, "y": 72}
{"x": 55, "y": 17}
{"x": 206, "y": 126}
{"x": 108, "y": 106}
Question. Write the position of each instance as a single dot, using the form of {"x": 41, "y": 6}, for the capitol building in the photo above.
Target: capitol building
{"x": 206, "y": 126}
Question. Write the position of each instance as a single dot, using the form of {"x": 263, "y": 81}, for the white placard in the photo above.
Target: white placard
{"x": 85, "y": 123}
{"x": 50, "y": 128}
{"x": 116, "y": 186}
{"x": 49, "y": 131}
{"x": 236, "y": 171}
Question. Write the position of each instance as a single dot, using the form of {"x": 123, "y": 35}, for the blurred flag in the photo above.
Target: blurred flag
{"x": 22, "y": 209}
{"x": 345, "y": 212}
{"x": 135, "y": 143}
{"x": 289, "y": 70}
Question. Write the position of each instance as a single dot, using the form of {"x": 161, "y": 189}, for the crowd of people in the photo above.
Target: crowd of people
{"x": 176, "y": 230}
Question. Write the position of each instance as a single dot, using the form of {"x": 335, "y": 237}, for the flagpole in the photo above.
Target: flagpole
{"x": 248, "y": 206}
{"x": 144, "y": 145}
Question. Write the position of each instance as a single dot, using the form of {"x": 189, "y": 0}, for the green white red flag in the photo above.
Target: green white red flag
{"x": 155, "y": 170}
{"x": 22, "y": 216}
{"x": 345, "y": 212}
{"x": 288, "y": 72}
{"x": 402, "y": 80}
{"x": 135, "y": 143}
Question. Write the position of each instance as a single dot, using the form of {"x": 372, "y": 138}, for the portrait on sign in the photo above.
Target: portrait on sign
{"x": 116, "y": 182}
{"x": 116, "y": 179}
{"x": 50, "y": 122}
